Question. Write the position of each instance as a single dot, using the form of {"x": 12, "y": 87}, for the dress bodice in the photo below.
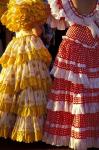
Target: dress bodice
{"x": 64, "y": 13}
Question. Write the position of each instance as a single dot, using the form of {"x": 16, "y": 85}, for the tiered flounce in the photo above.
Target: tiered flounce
{"x": 24, "y": 84}
{"x": 73, "y": 106}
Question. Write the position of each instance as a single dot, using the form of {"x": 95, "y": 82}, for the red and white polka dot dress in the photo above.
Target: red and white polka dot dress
{"x": 73, "y": 105}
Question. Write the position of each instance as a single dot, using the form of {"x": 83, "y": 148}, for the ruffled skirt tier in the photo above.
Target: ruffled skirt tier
{"x": 24, "y": 84}
{"x": 73, "y": 106}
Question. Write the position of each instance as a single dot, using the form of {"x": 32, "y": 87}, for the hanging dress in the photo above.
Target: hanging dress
{"x": 73, "y": 103}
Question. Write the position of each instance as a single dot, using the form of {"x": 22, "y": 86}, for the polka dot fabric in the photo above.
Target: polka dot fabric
{"x": 78, "y": 32}
{"x": 73, "y": 106}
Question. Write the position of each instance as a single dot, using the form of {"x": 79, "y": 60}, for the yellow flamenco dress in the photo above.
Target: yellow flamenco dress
{"x": 24, "y": 85}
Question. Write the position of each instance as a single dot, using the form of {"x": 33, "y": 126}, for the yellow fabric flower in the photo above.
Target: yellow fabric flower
{"x": 25, "y": 15}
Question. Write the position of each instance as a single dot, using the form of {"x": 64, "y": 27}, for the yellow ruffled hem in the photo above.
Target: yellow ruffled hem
{"x": 23, "y": 111}
{"x": 26, "y": 137}
{"x": 20, "y": 136}
{"x": 35, "y": 83}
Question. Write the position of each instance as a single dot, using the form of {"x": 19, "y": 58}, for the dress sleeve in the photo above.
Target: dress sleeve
{"x": 58, "y": 16}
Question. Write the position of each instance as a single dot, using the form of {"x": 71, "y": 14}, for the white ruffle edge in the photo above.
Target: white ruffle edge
{"x": 73, "y": 108}
{"x": 78, "y": 78}
{"x": 76, "y": 144}
{"x": 69, "y": 16}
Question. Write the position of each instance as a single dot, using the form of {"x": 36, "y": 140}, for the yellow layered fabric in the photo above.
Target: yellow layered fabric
{"x": 24, "y": 85}
{"x": 24, "y": 14}
{"x": 19, "y": 55}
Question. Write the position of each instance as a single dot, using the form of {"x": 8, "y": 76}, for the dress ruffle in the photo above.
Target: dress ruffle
{"x": 24, "y": 85}
{"x": 63, "y": 12}
{"x": 80, "y": 144}
{"x": 25, "y": 14}
{"x": 31, "y": 48}
{"x": 73, "y": 103}
{"x": 21, "y": 129}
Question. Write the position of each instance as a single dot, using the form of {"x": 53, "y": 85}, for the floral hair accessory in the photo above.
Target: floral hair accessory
{"x": 24, "y": 14}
